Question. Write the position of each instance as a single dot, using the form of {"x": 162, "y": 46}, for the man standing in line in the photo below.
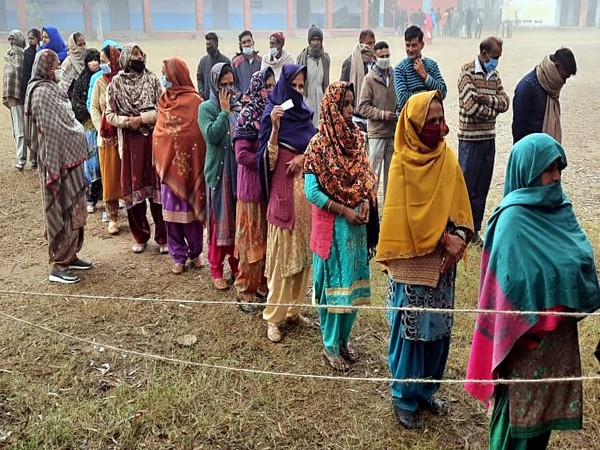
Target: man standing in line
{"x": 356, "y": 66}
{"x": 378, "y": 105}
{"x": 415, "y": 73}
{"x": 212, "y": 57}
{"x": 246, "y": 62}
{"x": 536, "y": 108}
{"x": 481, "y": 97}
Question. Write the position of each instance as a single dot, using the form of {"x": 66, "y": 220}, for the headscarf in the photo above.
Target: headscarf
{"x": 426, "y": 189}
{"x": 556, "y": 270}
{"x": 279, "y": 37}
{"x": 551, "y": 81}
{"x": 315, "y": 52}
{"x": 81, "y": 86}
{"x": 57, "y": 43}
{"x": 360, "y": 56}
{"x": 74, "y": 63}
{"x": 13, "y": 68}
{"x": 178, "y": 146}
{"x": 59, "y": 140}
{"x": 114, "y": 58}
{"x": 215, "y": 76}
{"x": 253, "y": 106}
{"x": 97, "y": 75}
{"x": 337, "y": 153}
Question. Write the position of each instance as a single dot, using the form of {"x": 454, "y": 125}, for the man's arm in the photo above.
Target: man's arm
{"x": 401, "y": 87}
{"x": 345, "y": 76}
{"x": 200, "y": 79}
{"x": 470, "y": 100}
{"x": 522, "y": 102}
{"x": 434, "y": 80}
{"x": 366, "y": 107}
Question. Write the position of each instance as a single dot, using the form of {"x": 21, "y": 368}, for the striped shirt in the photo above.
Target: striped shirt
{"x": 408, "y": 82}
{"x": 477, "y": 119}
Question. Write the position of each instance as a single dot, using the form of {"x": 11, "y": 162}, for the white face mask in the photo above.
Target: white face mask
{"x": 248, "y": 51}
{"x": 58, "y": 74}
{"x": 273, "y": 51}
{"x": 383, "y": 63}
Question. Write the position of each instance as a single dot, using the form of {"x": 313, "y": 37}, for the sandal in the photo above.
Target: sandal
{"x": 177, "y": 269}
{"x": 273, "y": 332}
{"x": 335, "y": 361}
{"x": 163, "y": 249}
{"x": 220, "y": 284}
{"x": 349, "y": 353}
{"x": 138, "y": 248}
{"x": 113, "y": 228}
{"x": 301, "y": 321}
{"x": 196, "y": 263}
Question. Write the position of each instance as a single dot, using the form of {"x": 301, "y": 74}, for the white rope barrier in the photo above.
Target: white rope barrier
{"x": 304, "y": 305}
{"x": 291, "y": 374}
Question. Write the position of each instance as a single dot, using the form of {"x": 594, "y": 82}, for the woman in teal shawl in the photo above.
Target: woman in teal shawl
{"x": 536, "y": 258}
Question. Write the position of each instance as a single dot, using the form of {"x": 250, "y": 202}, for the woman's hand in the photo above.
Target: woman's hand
{"x": 454, "y": 249}
{"x": 276, "y": 115}
{"x": 135, "y": 122}
{"x": 295, "y": 165}
{"x": 352, "y": 216}
{"x": 224, "y": 100}
{"x": 363, "y": 210}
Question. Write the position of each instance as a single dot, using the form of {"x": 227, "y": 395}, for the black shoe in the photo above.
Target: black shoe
{"x": 245, "y": 307}
{"x": 477, "y": 240}
{"x": 434, "y": 405}
{"x": 407, "y": 419}
{"x": 63, "y": 276}
{"x": 80, "y": 264}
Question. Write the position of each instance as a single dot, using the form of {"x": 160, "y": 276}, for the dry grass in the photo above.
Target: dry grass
{"x": 53, "y": 394}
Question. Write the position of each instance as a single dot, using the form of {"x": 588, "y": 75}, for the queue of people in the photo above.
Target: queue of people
{"x": 282, "y": 195}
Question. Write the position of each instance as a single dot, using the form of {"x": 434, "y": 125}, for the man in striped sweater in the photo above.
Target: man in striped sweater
{"x": 481, "y": 98}
{"x": 414, "y": 73}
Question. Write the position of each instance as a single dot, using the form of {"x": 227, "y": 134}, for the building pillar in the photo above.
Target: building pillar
{"x": 329, "y": 14}
{"x": 22, "y": 14}
{"x": 247, "y": 14}
{"x": 583, "y": 13}
{"x": 147, "y": 14}
{"x": 88, "y": 17}
{"x": 199, "y": 15}
{"x": 364, "y": 23}
{"x": 290, "y": 15}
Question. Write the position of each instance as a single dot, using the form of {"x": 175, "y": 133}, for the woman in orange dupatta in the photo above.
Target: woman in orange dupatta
{"x": 178, "y": 151}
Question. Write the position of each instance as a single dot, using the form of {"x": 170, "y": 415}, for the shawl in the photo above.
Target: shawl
{"x": 178, "y": 147}
{"x": 13, "y": 68}
{"x": 52, "y": 131}
{"x": 556, "y": 272}
{"x": 277, "y": 64}
{"x": 253, "y": 106}
{"x": 215, "y": 76}
{"x": 551, "y": 81}
{"x": 357, "y": 69}
{"x": 81, "y": 87}
{"x": 133, "y": 93}
{"x": 28, "y": 58}
{"x": 296, "y": 128}
{"x": 74, "y": 64}
{"x": 426, "y": 189}
{"x": 56, "y": 43}
{"x": 337, "y": 154}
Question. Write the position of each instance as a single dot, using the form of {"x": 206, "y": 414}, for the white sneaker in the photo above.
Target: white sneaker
{"x": 91, "y": 208}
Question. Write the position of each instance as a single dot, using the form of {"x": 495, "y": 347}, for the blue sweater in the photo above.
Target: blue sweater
{"x": 408, "y": 82}
{"x": 529, "y": 107}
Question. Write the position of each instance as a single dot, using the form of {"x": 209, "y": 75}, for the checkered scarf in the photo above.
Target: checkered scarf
{"x": 13, "y": 67}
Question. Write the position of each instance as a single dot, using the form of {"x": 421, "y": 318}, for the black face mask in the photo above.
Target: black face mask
{"x": 137, "y": 65}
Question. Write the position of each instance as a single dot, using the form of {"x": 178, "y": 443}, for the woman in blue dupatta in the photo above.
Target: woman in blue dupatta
{"x": 283, "y": 138}
{"x": 536, "y": 257}
{"x": 51, "y": 39}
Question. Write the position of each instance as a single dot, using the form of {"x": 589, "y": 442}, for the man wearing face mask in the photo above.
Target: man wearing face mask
{"x": 481, "y": 97}
{"x": 317, "y": 64}
{"x": 378, "y": 105}
{"x": 415, "y": 73}
{"x": 356, "y": 66}
{"x": 212, "y": 57}
{"x": 277, "y": 56}
{"x": 246, "y": 62}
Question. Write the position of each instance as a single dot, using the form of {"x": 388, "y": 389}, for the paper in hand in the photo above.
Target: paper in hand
{"x": 288, "y": 104}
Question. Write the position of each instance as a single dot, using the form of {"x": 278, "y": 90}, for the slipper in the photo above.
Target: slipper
{"x": 349, "y": 353}
{"x": 163, "y": 249}
{"x": 196, "y": 263}
{"x": 335, "y": 361}
{"x": 273, "y": 332}
{"x": 138, "y": 248}
{"x": 177, "y": 269}
{"x": 220, "y": 284}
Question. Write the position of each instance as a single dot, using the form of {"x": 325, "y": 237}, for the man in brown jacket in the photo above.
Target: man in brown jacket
{"x": 378, "y": 105}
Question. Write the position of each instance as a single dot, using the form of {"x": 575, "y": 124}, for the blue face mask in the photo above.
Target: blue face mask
{"x": 166, "y": 83}
{"x": 105, "y": 68}
{"x": 491, "y": 64}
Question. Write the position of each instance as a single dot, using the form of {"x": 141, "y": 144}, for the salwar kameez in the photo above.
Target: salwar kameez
{"x": 91, "y": 166}
{"x": 110, "y": 167}
{"x": 419, "y": 342}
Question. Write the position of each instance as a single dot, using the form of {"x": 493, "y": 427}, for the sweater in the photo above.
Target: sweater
{"x": 214, "y": 125}
{"x": 203, "y": 72}
{"x": 477, "y": 120}
{"x": 529, "y": 107}
{"x": 248, "y": 178}
{"x": 243, "y": 70}
{"x": 408, "y": 82}
{"x": 376, "y": 98}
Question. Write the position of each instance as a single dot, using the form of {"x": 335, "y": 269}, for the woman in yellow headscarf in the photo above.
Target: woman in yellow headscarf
{"x": 424, "y": 230}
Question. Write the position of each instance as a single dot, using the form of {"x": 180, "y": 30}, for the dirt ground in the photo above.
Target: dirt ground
{"x": 56, "y": 393}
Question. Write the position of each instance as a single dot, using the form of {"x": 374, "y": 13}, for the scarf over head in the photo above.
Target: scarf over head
{"x": 317, "y": 51}
{"x": 13, "y": 68}
{"x": 253, "y": 106}
{"x": 360, "y": 56}
{"x": 337, "y": 153}
{"x": 426, "y": 189}
{"x": 279, "y": 37}
{"x": 82, "y": 85}
{"x": 114, "y": 61}
{"x": 551, "y": 81}
{"x": 536, "y": 257}
{"x": 178, "y": 146}
{"x": 74, "y": 63}
{"x": 215, "y": 75}
{"x": 59, "y": 139}
{"x": 56, "y": 43}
